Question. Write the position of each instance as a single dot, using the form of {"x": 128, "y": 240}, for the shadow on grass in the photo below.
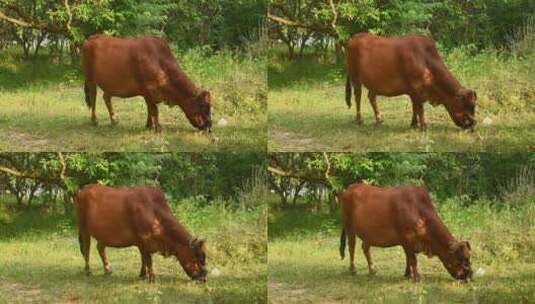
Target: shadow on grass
{"x": 286, "y": 74}
{"x": 334, "y": 283}
{"x": 301, "y": 222}
{"x": 16, "y": 73}
{"x": 339, "y": 132}
{"x": 34, "y": 223}
{"x": 67, "y": 281}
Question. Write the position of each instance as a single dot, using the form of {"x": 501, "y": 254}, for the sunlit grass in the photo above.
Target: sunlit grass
{"x": 43, "y": 109}
{"x": 305, "y": 266}
{"x": 307, "y": 110}
{"x": 41, "y": 262}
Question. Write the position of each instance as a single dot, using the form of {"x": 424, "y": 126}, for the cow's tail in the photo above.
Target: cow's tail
{"x": 343, "y": 244}
{"x": 348, "y": 91}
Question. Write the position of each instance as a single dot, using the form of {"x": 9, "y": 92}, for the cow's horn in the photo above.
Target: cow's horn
{"x": 193, "y": 242}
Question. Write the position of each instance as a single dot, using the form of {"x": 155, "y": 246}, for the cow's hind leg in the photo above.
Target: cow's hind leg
{"x": 85, "y": 245}
{"x": 373, "y": 101}
{"x": 90, "y": 90}
{"x": 351, "y": 242}
{"x": 102, "y": 252}
{"x": 107, "y": 101}
{"x": 366, "y": 250}
{"x": 357, "y": 87}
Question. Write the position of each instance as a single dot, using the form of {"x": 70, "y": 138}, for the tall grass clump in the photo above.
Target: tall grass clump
{"x": 237, "y": 83}
{"x": 522, "y": 41}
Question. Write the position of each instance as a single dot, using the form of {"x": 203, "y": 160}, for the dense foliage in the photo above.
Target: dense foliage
{"x": 451, "y": 22}
{"x": 468, "y": 176}
{"x": 203, "y": 177}
{"x": 215, "y": 24}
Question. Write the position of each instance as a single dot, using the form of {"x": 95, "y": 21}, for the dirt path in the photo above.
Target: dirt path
{"x": 21, "y": 292}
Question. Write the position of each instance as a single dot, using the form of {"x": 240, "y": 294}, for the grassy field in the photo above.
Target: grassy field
{"x": 307, "y": 110}
{"x": 305, "y": 266}
{"x": 43, "y": 108}
{"x": 41, "y": 262}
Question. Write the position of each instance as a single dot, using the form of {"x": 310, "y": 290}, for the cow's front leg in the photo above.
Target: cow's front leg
{"x": 143, "y": 271}
{"x": 102, "y": 252}
{"x": 373, "y": 102}
{"x": 414, "y": 122}
{"x": 148, "y": 262}
{"x": 412, "y": 264}
{"x": 153, "y": 115}
{"x": 418, "y": 113}
{"x": 148, "y": 124}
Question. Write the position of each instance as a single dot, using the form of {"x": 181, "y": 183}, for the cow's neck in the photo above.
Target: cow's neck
{"x": 179, "y": 234}
{"x": 174, "y": 231}
{"x": 440, "y": 238}
{"x": 446, "y": 84}
{"x": 181, "y": 89}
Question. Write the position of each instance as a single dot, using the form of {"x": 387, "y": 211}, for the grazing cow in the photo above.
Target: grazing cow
{"x": 124, "y": 217}
{"x": 402, "y": 216}
{"x": 411, "y": 65}
{"x": 144, "y": 66}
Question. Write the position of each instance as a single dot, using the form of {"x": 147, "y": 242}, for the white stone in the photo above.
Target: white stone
{"x": 480, "y": 271}
{"x": 487, "y": 121}
{"x": 215, "y": 272}
{"x": 222, "y": 122}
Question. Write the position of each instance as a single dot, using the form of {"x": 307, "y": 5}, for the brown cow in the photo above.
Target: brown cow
{"x": 144, "y": 66}
{"x": 124, "y": 217}
{"x": 411, "y": 65}
{"x": 402, "y": 216}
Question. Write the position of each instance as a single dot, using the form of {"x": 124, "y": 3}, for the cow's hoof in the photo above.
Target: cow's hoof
{"x": 379, "y": 122}
{"x": 88, "y": 273}
{"x": 94, "y": 122}
{"x": 114, "y": 123}
{"x": 108, "y": 272}
{"x": 372, "y": 272}
{"x": 416, "y": 278}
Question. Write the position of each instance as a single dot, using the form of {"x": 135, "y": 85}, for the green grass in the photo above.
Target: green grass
{"x": 43, "y": 108}
{"x": 41, "y": 261}
{"x": 307, "y": 110}
{"x": 305, "y": 266}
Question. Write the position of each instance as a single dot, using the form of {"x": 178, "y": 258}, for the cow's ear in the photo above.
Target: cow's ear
{"x": 467, "y": 245}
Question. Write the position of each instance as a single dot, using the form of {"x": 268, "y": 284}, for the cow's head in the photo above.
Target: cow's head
{"x": 458, "y": 261}
{"x": 199, "y": 111}
{"x": 462, "y": 108}
{"x": 193, "y": 259}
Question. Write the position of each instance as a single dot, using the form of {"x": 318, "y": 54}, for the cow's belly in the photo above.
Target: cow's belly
{"x": 377, "y": 236}
{"x": 385, "y": 85}
{"x": 109, "y": 224}
{"x": 112, "y": 234}
{"x": 117, "y": 78}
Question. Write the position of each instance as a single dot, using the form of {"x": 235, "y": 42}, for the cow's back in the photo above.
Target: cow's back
{"x": 114, "y": 216}
{"x": 382, "y": 216}
{"x": 390, "y": 66}
{"x": 124, "y": 67}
